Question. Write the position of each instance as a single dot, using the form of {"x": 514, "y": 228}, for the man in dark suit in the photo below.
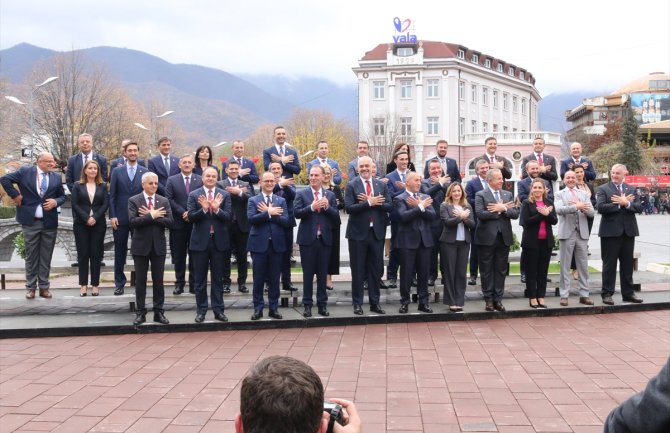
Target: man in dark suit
{"x": 41, "y": 192}
{"x": 209, "y": 209}
{"x": 435, "y": 186}
{"x": 281, "y": 153}
{"x": 239, "y": 227}
{"x": 317, "y": 210}
{"x": 149, "y": 214}
{"x": 495, "y": 208}
{"x": 177, "y": 189}
{"x": 576, "y": 158}
{"x": 121, "y": 160}
{"x": 125, "y": 182}
{"x": 618, "y": 203}
{"x": 77, "y": 161}
{"x": 473, "y": 186}
{"x": 362, "y": 149}
{"x": 367, "y": 201}
{"x": 268, "y": 217}
{"x": 449, "y": 165}
{"x": 164, "y": 164}
{"x": 285, "y": 188}
{"x": 547, "y": 169}
{"x": 414, "y": 241}
{"x": 396, "y": 186}
{"x": 496, "y": 161}
{"x": 322, "y": 158}
{"x": 247, "y": 167}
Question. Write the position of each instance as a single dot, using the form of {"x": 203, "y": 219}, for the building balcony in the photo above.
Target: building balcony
{"x": 515, "y": 138}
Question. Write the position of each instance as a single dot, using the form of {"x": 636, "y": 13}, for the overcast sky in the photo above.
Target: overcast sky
{"x": 568, "y": 45}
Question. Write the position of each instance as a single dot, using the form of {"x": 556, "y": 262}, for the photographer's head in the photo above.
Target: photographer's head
{"x": 281, "y": 394}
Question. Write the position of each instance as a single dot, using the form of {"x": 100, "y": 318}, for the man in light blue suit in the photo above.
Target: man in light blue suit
{"x": 322, "y": 158}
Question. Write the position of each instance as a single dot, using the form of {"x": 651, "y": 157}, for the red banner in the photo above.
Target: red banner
{"x": 648, "y": 181}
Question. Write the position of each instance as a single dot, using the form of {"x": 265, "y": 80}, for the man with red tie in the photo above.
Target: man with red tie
{"x": 496, "y": 161}
{"x": 546, "y": 163}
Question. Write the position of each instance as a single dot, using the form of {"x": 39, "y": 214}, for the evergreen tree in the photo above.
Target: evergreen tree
{"x": 631, "y": 154}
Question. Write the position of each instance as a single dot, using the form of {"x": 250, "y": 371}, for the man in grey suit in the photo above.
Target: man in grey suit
{"x": 362, "y": 149}
{"x": 495, "y": 208}
{"x": 573, "y": 208}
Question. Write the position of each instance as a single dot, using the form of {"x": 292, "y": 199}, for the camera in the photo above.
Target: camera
{"x": 335, "y": 411}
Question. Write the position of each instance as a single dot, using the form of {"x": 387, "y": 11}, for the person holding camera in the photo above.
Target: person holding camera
{"x": 276, "y": 380}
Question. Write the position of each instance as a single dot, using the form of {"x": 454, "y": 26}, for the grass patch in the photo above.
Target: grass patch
{"x": 554, "y": 268}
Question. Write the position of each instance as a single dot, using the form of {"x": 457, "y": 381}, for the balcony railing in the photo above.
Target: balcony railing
{"x": 512, "y": 137}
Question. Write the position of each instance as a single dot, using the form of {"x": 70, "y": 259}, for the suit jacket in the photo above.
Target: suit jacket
{"x": 118, "y": 162}
{"x": 175, "y": 192}
{"x": 523, "y": 189}
{"x": 239, "y": 204}
{"x": 394, "y": 177}
{"x": 490, "y": 223}
{"x": 507, "y": 164}
{"x": 326, "y": 219}
{"x": 352, "y": 169}
{"x": 75, "y": 164}
{"x": 251, "y": 178}
{"x": 589, "y": 172}
{"x": 288, "y": 194}
{"x": 198, "y": 170}
{"x": 290, "y": 169}
{"x": 531, "y": 223}
{"x": 437, "y": 192}
{"x": 264, "y": 227}
{"x": 473, "y": 186}
{"x": 452, "y": 169}
{"x": 82, "y": 205}
{"x": 414, "y": 228}
{"x": 148, "y": 233}
{"x": 361, "y": 213}
{"x": 617, "y": 221}
{"x": 121, "y": 188}
{"x": 26, "y": 179}
{"x": 568, "y": 215}
{"x": 157, "y": 166}
{"x": 451, "y": 222}
{"x": 337, "y": 177}
{"x": 202, "y": 221}
{"x": 547, "y": 159}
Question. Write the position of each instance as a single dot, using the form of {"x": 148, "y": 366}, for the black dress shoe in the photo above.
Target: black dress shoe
{"x": 118, "y": 291}
{"x": 159, "y": 317}
{"x": 307, "y": 312}
{"x": 523, "y": 278}
{"x": 226, "y": 288}
{"x": 330, "y": 288}
{"x": 274, "y": 314}
{"x": 382, "y": 285}
{"x": 607, "y": 300}
{"x": 548, "y": 280}
{"x": 199, "y": 317}
{"x": 431, "y": 281}
{"x": 392, "y": 284}
{"x": 403, "y": 309}
{"x": 358, "y": 310}
{"x": 178, "y": 291}
{"x": 375, "y": 308}
{"x": 499, "y": 306}
{"x": 139, "y": 318}
{"x": 257, "y": 315}
{"x": 634, "y": 299}
{"x": 289, "y": 287}
{"x": 242, "y": 289}
{"x": 489, "y": 306}
{"x": 425, "y": 308}
{"x": 472, "y": 281}
{"x": 323, "y": 311}
{"x": 191, "y": 290}
{"x": 220, "y": 317}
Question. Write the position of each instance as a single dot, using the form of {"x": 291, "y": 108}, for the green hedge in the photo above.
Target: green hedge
{"x": 7, "y": 212}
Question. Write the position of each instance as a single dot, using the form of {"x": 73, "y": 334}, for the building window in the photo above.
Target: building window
{"x": 485, "y": 96}
{"x": 495, "y": 127}
{"x": 473, "y": 93}
{"x": 487, "y": 63}
{"x": 510, "y": 71}
{"x": 379, "y": 127}
{"x": 522, "y": 75}
{"x": 495, "y": 99}
{"x": 461, "y": 126}
{"x": 505, "y": 103}
{"x": 405, "y": 126}
{"x": 499, "y": 68}
{"x": 523, "y": 106}
{"x": 433, "y": 88}
{"x": 475, "y": 58}
{"x": 461, "y": 90}
{"x": 485, "y": 127}
{"x": 378, "y": 89}
{"x": 404, "y": 51}
{"x": 461, "y": 54}
{"x": 405, "y": 89}
{"x": 515, "y": 104}
{"x": 473, "y": 126}
{"x": 504, "y": 129}
{"x": 514, "y": 129}
{"x": 433, "y": 123}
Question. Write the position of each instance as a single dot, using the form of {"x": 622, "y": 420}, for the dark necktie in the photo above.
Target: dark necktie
{"x": 281, "y": 151}
{"x": 188, "y": 184}
{"x": 268, "y": 202}
{"x": 85, "y": 159}
{"x": 497, "y": 196}
{"x": 150, "y": 204}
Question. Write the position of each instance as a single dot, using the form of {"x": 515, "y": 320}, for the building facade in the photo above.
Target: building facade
{"x": 420, "y": 92}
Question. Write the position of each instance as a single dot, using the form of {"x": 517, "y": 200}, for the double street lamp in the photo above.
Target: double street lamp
{"x": 16, "y": 100}
{"x": 151, "y": 130}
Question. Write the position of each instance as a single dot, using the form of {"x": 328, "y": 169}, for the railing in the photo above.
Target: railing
{"x": 512, "y": 137}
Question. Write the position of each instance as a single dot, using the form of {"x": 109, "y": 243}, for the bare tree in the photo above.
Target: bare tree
{"x": 383, "y": 133}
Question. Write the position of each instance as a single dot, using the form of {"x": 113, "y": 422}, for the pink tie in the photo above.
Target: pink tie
{"x": 539, "y": 159}
{"x": 574, "y": 194}
{"x": 493, "y": 158}
{"x": 151, "y": 205}
{"x": 318, "y": 209}
{"x": 210, "y": 197}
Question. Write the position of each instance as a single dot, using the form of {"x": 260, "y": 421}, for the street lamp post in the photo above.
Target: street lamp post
{"x": 32, "y": 112}
{"x": 151, "y": 128}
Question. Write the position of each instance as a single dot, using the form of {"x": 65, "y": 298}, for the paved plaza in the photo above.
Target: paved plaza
{"x": 542, "y": 374}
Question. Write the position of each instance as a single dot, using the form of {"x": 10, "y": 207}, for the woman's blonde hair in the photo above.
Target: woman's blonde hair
{"x": 447, "y": 197}
{"x": 531, "y": 198}
{"x": 330, "y": 172}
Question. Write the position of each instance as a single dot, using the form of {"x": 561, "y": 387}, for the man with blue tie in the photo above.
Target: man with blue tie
{"x": 209, "y": 209}
{"x": 125, "y": 182}
{"x": 41, "y": 192}
{"x": 474, "y": 185}
{"x": 396, "y": 186}
{"x": 121, "y": 160}
{"x": 268, "y": 217}
{"x": 177, "y": 190}
{"x": 164, "y": 164}
{"x": 317, "y": 210}
{"x": 77, "y": 161}
{"x": 279, "y": 152}
{"x": 414, "y": 241}
{"x": 322, "y": 158}
{"x": 449, "y": 165}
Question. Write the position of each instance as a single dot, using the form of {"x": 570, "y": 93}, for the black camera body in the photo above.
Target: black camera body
{"x": 335, "y": 411}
